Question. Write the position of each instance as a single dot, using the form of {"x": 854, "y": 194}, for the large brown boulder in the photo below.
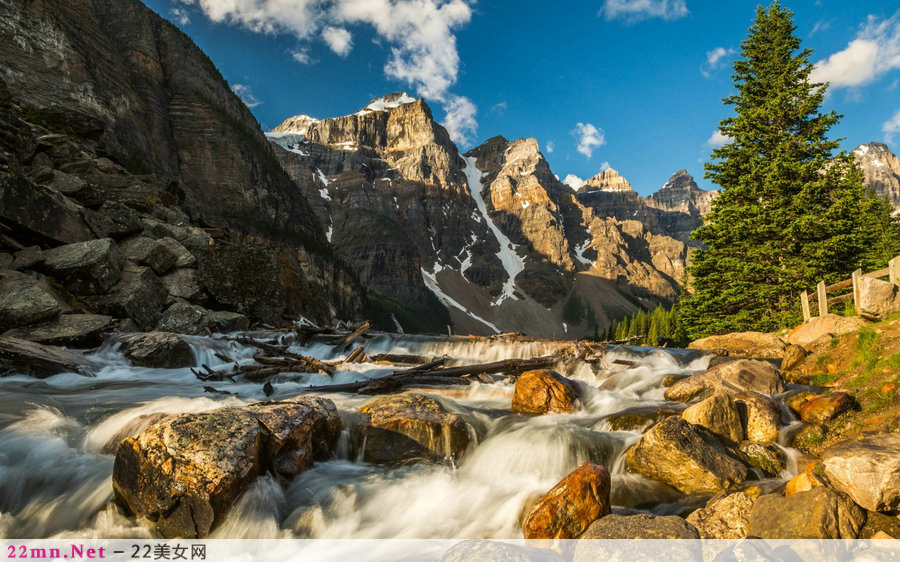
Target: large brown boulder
{"x": 742, "y": 375}
{"x": 686, "y": 457}
{"x": 569, "y": 508}
{"x": 820, "y": 513}
{"x": 543, "y": 391}
{"x": 868, "y": 470}
{"x": 877, "y": 299}
{"x": 829, "y": 325}
{"x": 187, "y": 470}
{"x": 159, "y": 350}
{"x": 751, "y": 345}
{"x": 720, "y": 415}
{"x": 640, "y": 526}
{"x": 85, "y": 268}
{"x": 820, "y": 409}
{"x": 724, "y": 516}
{"x": 760, "y": 416}
{"x": 30, "y": 358}
{"x": 413, "y": 426}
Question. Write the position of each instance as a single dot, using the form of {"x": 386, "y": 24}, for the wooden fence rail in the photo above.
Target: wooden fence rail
{"x": 892, "y": 272}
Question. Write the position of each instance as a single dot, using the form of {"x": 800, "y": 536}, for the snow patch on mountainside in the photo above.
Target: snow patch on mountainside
{"x": 512, "y": 262}
{"x": 387, "y": 102}
{"x": 289, "y": 141}
{"x": 430, "y": 280}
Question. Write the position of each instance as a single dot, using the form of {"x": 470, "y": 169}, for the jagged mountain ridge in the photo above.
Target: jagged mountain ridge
{"x": 493, "y": 233}
{"x": 881, "y": 170}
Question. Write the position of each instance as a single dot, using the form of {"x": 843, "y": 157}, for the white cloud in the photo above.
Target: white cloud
{"x": 180, "y": 15}
{"x": 339, "y": 40}
{"x": 302, "y": 55}
{"x": 549, "y": 147}
{"x": 499, "y": 108}
{"x": 891, "y": 127}
{"x": 605, "y": 166}
{"x": 460, "y": 119}
{"x": 821, "y": 25}
{"x": 874, "y": 52}
{"x": 717, "y": 139}
{"x": 244, "y": 92}
{"x": 715, "y": 59}
{"x": 573, "y": 181}
{"x": 420, "y": 34}
{"x": 589, "y": 137}
{"x": 633, "y": 11}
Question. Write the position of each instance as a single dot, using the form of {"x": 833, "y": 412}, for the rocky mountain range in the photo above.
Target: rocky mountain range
{"x": 881, "y": 170}
{"x": 493, "y": 233}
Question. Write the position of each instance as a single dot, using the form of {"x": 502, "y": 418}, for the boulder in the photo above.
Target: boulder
{"x": 23, "y": 302}
{"x": 820, "y": 513}
{"x": 868, "y": 470}
{"x": 640, "y": 526}
{"x": 687, "y": 457}
{"x": 803, "y": 482}
{"x": 182, "y": 283}
{"x": 637, "y": 419}
{"x": 43, "y": 212}
{"x": 184, "y": 318}
{"x": 543, "y": 391}
{"x": 184, "y": 258}
{"x": 149, "y": 252}
{"x": 86, "y": 268}
{"x": 160, "y": 350}
{"x": 760, "y": 416}
{"x": 30, "y": 358}
{"x": 413, "y": 426}
{"x": 139, "y": 295}
{"x": 877, "y": 299}
{"x": 719, "y": 414}
{"x": 724, "y": 516}
{"x": 27, "y": 258}
{"x": 830, "y": 325}
{"x": 187, "y": 470}
{"x": 570, "y": 507}
{"x": 751, "y": 345}
{"x": 820, "y": 409}
{"x": 114, "y": 220}
{"x": 767, "y": 457}
{"x": 72, "y": 330}
{"x": 742, "y": 375}
{"x": 794, "y": 356}
{"x": 480, "y": 550}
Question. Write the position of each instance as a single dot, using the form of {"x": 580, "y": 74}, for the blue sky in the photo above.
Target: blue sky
{"x": 634, "y": 84}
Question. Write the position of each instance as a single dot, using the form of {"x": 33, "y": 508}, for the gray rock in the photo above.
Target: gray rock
{"x": 27, "y": 258}
{"x": 767, "y": 457}
{"x": 184, "y": 258}
{"x": 65, "y": 183}
{"x": 86, "y": 268}
{"x": 114, "y": 220}
{"x": 70, "y": 330}
{"x": 160, "y": 350}
{"x": 724, "y": 516}
{"x": 868, "y": 470}
{"x": 686, "y": 457}
{"x": 23, "y": 302}
{"x": 187, "y": 470}
{"x": 184, "y": 318}
{"x": 878, "y": 299}
{"x": 139, "y": 295}
{"x": 182, "y": 283}
{"x": 149, "y": 252}
{"x": 640, "y": 526}
{"x": 741, "y": 375}
{"x": 41, "y": 211}
{"x": 30, "y": 358}
{"x": 820, "y": 513}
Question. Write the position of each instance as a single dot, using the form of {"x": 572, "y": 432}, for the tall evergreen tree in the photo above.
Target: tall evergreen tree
{"x": 790, "y": 212}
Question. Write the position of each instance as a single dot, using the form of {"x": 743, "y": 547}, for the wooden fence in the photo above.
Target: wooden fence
{"x": 892, "y": 272}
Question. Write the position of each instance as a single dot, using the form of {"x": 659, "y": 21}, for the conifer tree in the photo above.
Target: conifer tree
{"x": 790, "y": 212}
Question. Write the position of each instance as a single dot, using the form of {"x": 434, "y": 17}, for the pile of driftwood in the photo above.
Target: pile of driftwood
{"x": 274, "y": 359}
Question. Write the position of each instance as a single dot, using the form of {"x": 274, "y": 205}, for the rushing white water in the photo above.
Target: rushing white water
{"x": 58, "y": 435}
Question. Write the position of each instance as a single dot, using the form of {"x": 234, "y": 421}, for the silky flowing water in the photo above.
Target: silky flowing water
{"x": 56, "y": 456}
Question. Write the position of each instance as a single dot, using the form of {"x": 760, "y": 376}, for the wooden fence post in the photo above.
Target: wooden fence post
{"x": 856, "y": 275}
{"x": 804, "y": 305}
{"x": 894, "y": 267}
{"x": 823, "y": 298}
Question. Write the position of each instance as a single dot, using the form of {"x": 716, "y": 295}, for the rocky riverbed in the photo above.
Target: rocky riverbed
{"x": 630, "y": 443}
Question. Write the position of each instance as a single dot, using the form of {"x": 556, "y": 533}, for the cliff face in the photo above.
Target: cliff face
{"x": 165, "y": 113}
{"x": 881, "y": 170}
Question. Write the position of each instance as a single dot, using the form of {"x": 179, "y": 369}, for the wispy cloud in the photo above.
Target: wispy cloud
{"x": 715, "y": 59}
{"x": 180, "y": 15}
{"x": 573, "y": 181}
{"x": 549, "y": 147}
{"x": 589, "y": 137}
{"x": 891, "y": 127}
{"x": 605, "y": 166}
{"x": 420, "y": 34}
{"x": 717, "y": 139}
{"x": 499, "y": 108}
{"x": 302, "y": 55}
{"x": 874, "y": 52}
{"x": 633, "y": 11}
{"x": 244, "y": 92}
{"x": 821, "y": 25}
